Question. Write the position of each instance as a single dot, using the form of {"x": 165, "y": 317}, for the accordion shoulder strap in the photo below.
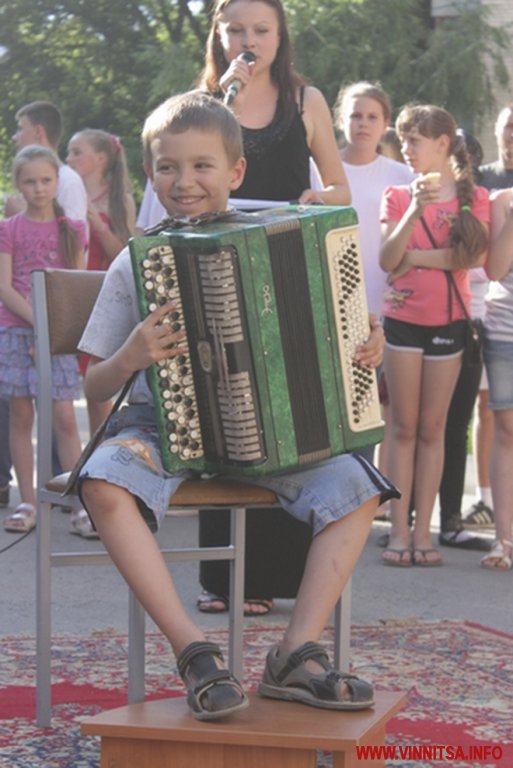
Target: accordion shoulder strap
{"x": 96, "y": 438}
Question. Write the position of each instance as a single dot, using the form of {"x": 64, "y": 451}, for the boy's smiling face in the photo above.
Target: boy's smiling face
{"x": 191, "y": 172}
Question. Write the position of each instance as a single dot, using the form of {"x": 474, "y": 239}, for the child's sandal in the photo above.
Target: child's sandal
{"x": 288, "y": 678}
{"x": 211, "y": 692}
{"x": 497, "y": 559}
{"x": 22, "y": 520}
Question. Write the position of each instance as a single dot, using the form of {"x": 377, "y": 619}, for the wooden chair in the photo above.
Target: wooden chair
{"x": 63, "y": 300}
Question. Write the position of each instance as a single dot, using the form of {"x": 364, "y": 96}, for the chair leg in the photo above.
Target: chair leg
{"x": 136, "y": 645}
{"x": 342, "y": 641}
{"x": 43, "y": 617}
{"x": 236, "y": 587}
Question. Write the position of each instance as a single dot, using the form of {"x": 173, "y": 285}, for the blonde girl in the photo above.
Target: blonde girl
{"x": 99, "y": 158}
{"x": 424, "y": 322}
{"x": 39, "y": 237}
{"x": 363, "y": 112}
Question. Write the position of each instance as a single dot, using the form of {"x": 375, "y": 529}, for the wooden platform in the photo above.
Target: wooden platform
{"x": 269, "y": 734}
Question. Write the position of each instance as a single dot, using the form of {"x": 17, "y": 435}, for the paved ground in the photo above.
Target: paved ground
{"x": 87, "y": 598}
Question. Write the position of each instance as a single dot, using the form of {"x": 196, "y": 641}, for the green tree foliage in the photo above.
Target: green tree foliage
{"x": 104, "y": 63}
{"x": 340, "y": 41}
{"x": 107, "y": 63}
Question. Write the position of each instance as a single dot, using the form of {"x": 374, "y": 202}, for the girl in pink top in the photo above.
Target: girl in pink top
{"x": 39, "y": 237}
{"x": 437, "y": 225}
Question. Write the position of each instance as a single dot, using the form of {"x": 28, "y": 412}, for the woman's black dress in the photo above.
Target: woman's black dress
{"x": 276, "y": 543}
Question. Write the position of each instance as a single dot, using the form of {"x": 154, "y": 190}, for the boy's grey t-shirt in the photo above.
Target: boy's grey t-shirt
{"x": 114, "y": 316}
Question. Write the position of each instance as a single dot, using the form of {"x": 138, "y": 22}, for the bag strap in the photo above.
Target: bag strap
{"x": 428, "y": 232}
{"x": 448, "y": 274}
{"x": 452, "y": 284}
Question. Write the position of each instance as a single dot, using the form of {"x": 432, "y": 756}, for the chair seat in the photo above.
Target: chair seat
{"x": 212, "y": 492}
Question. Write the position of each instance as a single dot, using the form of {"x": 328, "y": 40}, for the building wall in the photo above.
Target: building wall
{"x": 501, "y": 15}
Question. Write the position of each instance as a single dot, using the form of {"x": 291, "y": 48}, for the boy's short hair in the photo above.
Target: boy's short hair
{"x": 197, "y": 110}
{"x": 46, "y": 114}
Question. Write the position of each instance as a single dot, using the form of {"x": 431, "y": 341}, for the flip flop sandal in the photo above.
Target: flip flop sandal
{"x": 260, "y": 603}
{"x": 398, "y": 558}
{"x": 211, "y": 692}
{"x": 22, "y": 520}
{"x": 426, "y": 559}
{"x": 207, "y": 602}
{"x": 289, "y": 679}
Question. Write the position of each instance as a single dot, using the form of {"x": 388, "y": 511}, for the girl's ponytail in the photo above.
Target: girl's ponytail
{"x": 468, "y": 236}
{"x": 68, "y": 240}
{"x": 119, "y": 187}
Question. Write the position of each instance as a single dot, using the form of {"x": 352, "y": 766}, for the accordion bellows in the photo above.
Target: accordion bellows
{"x": 273, "y": 306}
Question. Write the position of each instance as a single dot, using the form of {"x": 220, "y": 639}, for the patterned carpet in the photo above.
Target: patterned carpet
{"x": 458, "y": 675}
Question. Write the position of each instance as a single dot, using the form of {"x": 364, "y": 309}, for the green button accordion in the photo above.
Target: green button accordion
{"x": 273, "y": 307}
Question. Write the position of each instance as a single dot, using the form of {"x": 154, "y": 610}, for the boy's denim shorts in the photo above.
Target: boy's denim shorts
{"x": 318, "y": 495}
{"x": 498, "y": 358}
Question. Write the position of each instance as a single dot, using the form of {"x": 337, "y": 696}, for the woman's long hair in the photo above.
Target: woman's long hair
{"x": 468, "y": 237}
{"x": 68, "y": 240}
{"x": 283, "y": 73}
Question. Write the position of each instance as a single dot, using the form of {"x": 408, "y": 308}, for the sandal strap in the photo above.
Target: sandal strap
{"x": 325, "y": 685}
{"x": 25, "y": 509}
{"x": 212, "y": 679}
{"x": 198, "y": 670}
{"x": 301, "y": 654}
{"x": 193, "y": 650}
{"x": 498, "y": 548}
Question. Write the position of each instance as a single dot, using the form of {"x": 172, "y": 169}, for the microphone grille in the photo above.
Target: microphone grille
{"x": 248, "y": 57}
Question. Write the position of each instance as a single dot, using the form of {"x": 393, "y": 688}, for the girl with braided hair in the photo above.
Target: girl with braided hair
{"x": 40, "y": 236}
{"x": 435, "y": 228}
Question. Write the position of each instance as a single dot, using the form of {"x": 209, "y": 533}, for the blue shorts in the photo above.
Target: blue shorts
{"x": 498, "y": 359}
{"x": 433, "y": 341}
{"x": 318, "y": 495}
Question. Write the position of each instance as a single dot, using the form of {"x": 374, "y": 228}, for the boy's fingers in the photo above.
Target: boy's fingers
{"x": 159, "y": 313}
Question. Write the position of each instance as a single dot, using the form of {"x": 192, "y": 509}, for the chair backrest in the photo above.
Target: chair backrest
{"x": 70, "y": 297}
{"x": 62, "y": 301}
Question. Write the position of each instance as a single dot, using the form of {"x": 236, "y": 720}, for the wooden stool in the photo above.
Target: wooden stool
{"x": 269, "y": 734}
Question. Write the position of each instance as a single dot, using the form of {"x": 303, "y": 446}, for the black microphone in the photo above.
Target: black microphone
{"x": 235, "y": 86}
